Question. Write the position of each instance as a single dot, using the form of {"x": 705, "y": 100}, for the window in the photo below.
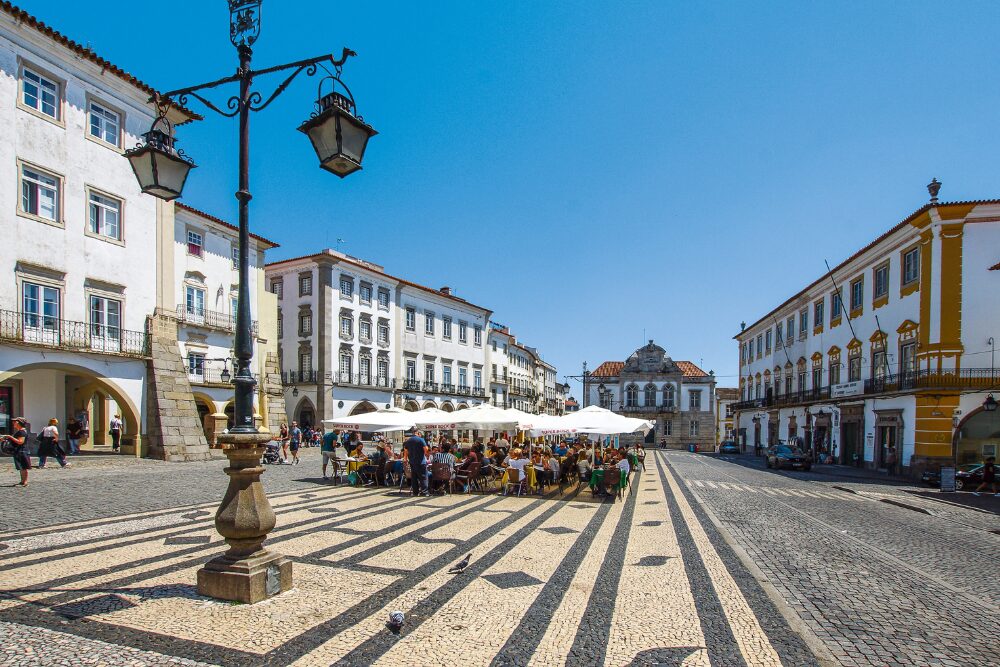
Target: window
{"x": 693, "y": 429}
{"x": 195, "y": 243}
{"x": 908, "y": 360}
{"x": 305, "y": 324}
{"x": 880, "y": 281}
{"x": 694, "y": 398}
{"x": 305, "y": 285}
{"x": 40, "y": 306}
{"x": 911, "y": 266}
{"x": 196, "y": 364}
{"x": 281, "y": 327}
{"x": 836, "y": 305}
{"x": 803, "y": 322}
{"x": 105, "y": 317}
{"x": 879, "y": 368}
{"x": 105, "y": 216}
{"x": 760, "y": 345}
{"x": 478, "y": 336}
{"x": 346, "y": 366}
{"x": 346, "y": 288}
{"x": 383, "y": 372}
{"x": 463, "y": 377}
{"x": 477, "y": 379}
{"x": 411, "y": 319}
{"x": 383, "y": 333}
{"x": 493, "y": 343}
{"x": 788, "y": 383}
{"x": 668, "y": 427}
{"x": 429, "y": 372}
{"x": 668, "y": 396}
{"x": 631, "y": 396}
{"x": 40, "y": 93}
{"x": 365, "y": 330}
{"x": 790, "y": 327}
{"x": 305, "y": 362}
{"x": 777, "y": 334}
{"x": 277, "y": 288}
{"x": 383, "y": 298}
{"x": 346, "y": 326}
{"x": 40, "y": 193}
{"x": 463, "y": 332}
{"x": 834, "y": 372}
{"x": 446, "y": 328}
{"x": 194, "y": 300}
{"x": 649, "y": 397}
{"x": 365, "y": 293}
{"x": 104, "y": 124}
{"x": 446, "y": 374}
{"x": 428, "y": 323}
{"x": 857, "y": 294}
{"x": 802, "y": 382}
{"x": 365, "y": 369}
{"x": 411, "y": 370}
{"x": 235, "y": 253}
{"x": 767, "y": 342}
{"x": 854, "y": 369}
{"x": 818, "y": 315}
{"x": 817, "y": 378}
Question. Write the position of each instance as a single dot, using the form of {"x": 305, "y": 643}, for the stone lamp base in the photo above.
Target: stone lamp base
{"x": 247, "y": 572}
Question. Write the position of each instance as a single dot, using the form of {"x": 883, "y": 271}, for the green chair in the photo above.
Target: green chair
{"x": 623, "y": 482}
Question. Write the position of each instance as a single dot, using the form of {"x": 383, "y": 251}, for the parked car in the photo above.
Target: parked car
{"x": 783, "y": 456}
{"x": 729, "y": 447}
{"x": 966, "y": 475}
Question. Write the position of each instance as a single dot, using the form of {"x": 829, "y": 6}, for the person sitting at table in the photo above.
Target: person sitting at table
{"x": 553, "y": 467}
{"x": 515, "y": 461}
{"x": 445, "y": 456}
{"x": 583, "y": 468}
{"x": 623, "y": 463}
{"x": 560, "y": 449}
{"x": 359, "y": 451}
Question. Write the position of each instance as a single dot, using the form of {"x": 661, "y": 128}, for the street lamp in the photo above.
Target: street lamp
{"x": 248, "y": 572}
{"x": 990, "y": 404}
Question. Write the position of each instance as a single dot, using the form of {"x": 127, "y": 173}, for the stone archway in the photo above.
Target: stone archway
{"x": 362, "y": 408}
{"x": 305, "y": 412}
{"x": 411, "y": 406}
{"x": 977, "y": 436}
{"x": 447, "y": 406}
{"x": 429, "y": 404}
{"x": 81, "y": 390}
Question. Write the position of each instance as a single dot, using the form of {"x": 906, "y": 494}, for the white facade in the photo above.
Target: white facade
{"x": 78, "y": 267}
{"x": 442, "y": 350}
{"x": 902, "y": 361}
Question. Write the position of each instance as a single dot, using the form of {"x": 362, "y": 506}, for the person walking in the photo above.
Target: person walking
{"x": 296, "y": 441}
{"x": 74, "y": 431}
{"x": 49, "y": 445}
{"x": 329, "y": 451}
{"x": 415, "y": 446}
{"x": 18, "y": 440}
{"x": 116, "y": 433}
{"x": 890, "y": 461}
{"x": 989, "y": 476}
{"x": 283, "y": 439}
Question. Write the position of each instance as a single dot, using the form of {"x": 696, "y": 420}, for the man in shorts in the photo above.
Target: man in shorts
{"x": 329, "y": 450}
{"x": 989, "y": 476}
{"x": 293, "y": 446}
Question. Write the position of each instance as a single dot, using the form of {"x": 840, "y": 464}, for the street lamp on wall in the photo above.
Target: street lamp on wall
{"x": 159, "y": 167}
{"x": 990, "y": 404}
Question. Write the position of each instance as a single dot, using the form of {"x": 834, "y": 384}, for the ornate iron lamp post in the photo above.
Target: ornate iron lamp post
{"x": 248, "y": 572}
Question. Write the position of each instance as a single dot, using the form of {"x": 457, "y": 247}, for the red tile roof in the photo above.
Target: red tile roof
{"x": 608, "y": 369}
{"x": 84, "y": 52}
{"x": 614, "y": 369}
{"x": 222, "y": 222}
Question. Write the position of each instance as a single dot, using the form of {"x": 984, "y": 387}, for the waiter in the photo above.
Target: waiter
{"x": 415, "y": 446}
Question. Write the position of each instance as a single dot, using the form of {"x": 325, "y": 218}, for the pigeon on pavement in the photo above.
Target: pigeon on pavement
{"x": 460, "y": 566}
{"x": 395, "y": 623}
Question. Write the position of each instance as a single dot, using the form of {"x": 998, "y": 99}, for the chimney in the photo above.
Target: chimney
{"x": 445, "y": 290}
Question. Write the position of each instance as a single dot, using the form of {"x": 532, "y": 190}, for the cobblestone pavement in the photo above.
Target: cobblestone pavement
{"x": 97, "y": 566}
{"x": 905, "y": 582}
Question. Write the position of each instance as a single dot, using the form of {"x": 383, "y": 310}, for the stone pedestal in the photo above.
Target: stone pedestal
{"x": 247, "y": 572}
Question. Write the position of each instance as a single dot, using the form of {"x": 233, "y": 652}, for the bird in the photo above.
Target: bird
{"x": 460, "y": 566}
{"x": 395, "y": 623}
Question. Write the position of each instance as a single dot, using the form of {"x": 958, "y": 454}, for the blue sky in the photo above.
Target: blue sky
{"x": 595, "y": 172}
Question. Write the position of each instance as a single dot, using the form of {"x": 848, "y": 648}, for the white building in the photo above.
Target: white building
{"x": 203, "y": 295}
{"x": 442, "y": 348}
{"x": 677, "y": 395}
{"x": 498, "y": 352}
{"x": 893, "y": 348}
{"x": 77, "y": 266}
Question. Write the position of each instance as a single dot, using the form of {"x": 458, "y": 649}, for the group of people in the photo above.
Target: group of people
{"x": 294, "y": 438}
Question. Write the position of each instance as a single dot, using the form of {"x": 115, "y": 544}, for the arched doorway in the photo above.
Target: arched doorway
{"x": 230, "y": 415}
{"x": 411, "y": 406}
{"x": 977, "y": 437}
{"x": 448, "y": 407}
{"x": 362, "y": 408}
{"x": 429, "y": 404}
{"x": 305, "y": 413}
{"x": 205, "y": 407}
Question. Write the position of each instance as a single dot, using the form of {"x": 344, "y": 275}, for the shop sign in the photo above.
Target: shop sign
{"x": 948, "y": 479}
{"x": 847, "y": 389}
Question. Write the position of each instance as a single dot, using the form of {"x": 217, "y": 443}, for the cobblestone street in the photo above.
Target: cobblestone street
{"x": 703, "y": 562}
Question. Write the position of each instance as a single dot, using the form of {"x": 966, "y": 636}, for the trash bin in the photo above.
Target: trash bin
{"x": 692, "y": 448}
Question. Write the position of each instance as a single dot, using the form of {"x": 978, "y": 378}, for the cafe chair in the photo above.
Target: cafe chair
{"x": 441, "y": 476}
{"x": 514, "y": 478}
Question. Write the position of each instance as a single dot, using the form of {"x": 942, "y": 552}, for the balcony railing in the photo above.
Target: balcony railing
{"x": 299, "y": 377}
{"x": 430, "y": 386}
{"x": 447, "y": 388}
{"x": 503, "y": 379}
{"x": 411, "y": 385}
{"x": 479, "y": 392}
{"x": 209, "y": 318}
{"x": 659, "y": 409}
{"x": 966, "y": 378}
{"x": 464, "y": 390}
{"x": 45, "y": 331}
{"x": 363, "y": 380}
{"x": 213, "y": 376}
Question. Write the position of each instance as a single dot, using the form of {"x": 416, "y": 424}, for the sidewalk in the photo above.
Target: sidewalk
{"x": 861, "y": 474}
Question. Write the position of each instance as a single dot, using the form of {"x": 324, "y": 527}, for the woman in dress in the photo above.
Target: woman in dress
{"x": 49, "y": 445}
{"x": 18, "y": 439}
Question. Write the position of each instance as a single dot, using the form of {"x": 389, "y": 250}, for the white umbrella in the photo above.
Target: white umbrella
{"x": 435, "y": 419}
{"x": 599, "y": 421}
{"x": 485, "y": 417}
{"x": 389, "y": 419}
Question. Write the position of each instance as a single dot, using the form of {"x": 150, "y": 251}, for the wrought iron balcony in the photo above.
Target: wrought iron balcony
{"x": 52, "y": 332}
{"x": 464, "y": 390}
{"x": 213, "y": 376}
{"x": 210, "y": 319}
{"x": 430, "y": 386}
{"x": 479, "y": 392}
{"x": 411, "y": 385}
{"x": 299, "y": 377}
{"x": 447, "y": 388}
{"x": 651, "y": 409}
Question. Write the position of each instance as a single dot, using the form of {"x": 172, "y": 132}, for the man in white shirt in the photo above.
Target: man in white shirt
{"x": 623, "y": 464}
{"x": 503, "y": 442}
